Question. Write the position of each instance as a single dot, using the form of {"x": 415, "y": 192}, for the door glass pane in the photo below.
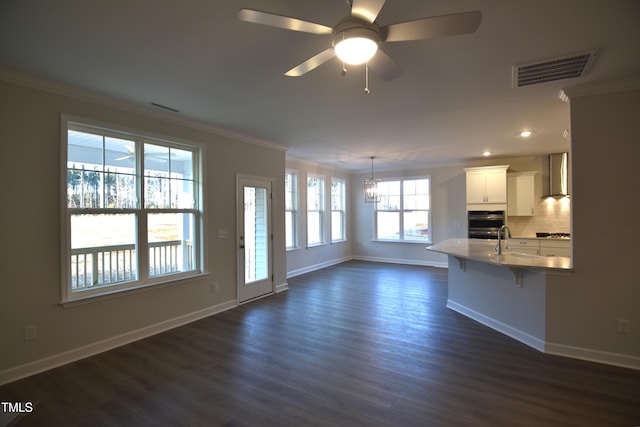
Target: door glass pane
{"x": 256, "y": 235}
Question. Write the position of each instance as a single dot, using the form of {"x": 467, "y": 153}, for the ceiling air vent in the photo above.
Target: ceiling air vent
{"x": 549, "y": 70}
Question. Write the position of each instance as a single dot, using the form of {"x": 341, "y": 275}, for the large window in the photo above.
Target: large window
{"x": 291, "y": 208}
{"x": 132, "y": 211}
{"x": 404, "y": 210}
{"x": 337, "y": 210}
{"x": 315, "y": 210}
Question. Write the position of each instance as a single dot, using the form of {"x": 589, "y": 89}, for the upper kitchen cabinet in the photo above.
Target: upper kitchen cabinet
{"x": 487, "y": 185}
{"x": 520, "y": 193}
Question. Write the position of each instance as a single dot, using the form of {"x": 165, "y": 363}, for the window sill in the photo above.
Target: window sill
{"x": 315, "y": 245}
{"x": 410, "y": 242}
{"x": 112, "y": 294}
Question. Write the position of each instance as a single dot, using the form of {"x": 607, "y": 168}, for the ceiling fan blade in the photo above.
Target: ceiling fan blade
{"x": 437, "y": 26}
{"x": 385, "y": 67}
{"x": 280, "y": 21}
{"x": 311, "y": 63}
{"x": 367, "y": 9}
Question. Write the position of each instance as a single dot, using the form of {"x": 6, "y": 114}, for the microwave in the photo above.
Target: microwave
{"x": 485, "y": 224}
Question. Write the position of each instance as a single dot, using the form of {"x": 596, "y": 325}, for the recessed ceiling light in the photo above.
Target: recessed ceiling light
{"x": 486, "y": 153}
{"x": 525, "y": 133}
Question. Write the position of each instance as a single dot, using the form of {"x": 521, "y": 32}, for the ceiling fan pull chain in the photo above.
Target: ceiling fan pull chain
{"x": 366, "y": 78}
{"x": 344, "y": 70}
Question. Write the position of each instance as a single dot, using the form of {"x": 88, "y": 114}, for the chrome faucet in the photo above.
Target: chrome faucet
{"x": 507, "y": 235}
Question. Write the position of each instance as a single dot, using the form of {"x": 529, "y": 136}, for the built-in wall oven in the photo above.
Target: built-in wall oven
{"x": 485, "y": 224}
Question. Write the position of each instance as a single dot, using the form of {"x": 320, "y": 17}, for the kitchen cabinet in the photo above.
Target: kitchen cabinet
{"x": 551, "y": 247}
{"x": 525, "y": 246}
{"x": 542, "y": 247}
{"x": 520, "y": 193}
{"x": 487, "y": 185}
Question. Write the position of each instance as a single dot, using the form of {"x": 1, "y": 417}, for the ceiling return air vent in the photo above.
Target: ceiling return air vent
{"x": 549, "y": 70}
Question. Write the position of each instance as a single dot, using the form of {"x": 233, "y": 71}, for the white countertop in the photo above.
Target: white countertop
{"x": 483, "y": 250}
{"x": 552, "y": 239}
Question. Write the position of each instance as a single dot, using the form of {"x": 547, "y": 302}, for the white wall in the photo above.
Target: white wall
{"x": 303, "y": 258}
{"x": 488, "y": 294}
{"x": 583, "y": 309}
{"x": 30, "y": 217}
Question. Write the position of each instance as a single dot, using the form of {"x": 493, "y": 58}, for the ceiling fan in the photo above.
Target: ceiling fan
{"x": 356, "y": 38}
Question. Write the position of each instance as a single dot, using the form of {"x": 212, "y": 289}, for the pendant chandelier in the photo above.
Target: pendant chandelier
{"x": 371, "y": 190}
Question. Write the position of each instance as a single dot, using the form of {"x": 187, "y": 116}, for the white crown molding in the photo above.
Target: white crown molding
{"x": 601, "y": 88}
{"x": 319, "y": 166}
{"x": 58, "y": 88}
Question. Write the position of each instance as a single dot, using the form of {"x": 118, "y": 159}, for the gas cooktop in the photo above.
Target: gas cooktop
{"x": 554, "y": 235}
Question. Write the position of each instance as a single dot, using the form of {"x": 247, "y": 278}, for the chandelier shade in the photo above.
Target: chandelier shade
{"x": 371, "y": 190}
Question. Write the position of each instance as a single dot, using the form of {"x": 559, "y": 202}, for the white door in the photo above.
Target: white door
{"x": 254, "y": 238}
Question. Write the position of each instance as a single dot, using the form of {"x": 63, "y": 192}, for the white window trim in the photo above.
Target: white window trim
{"x": 401, "y": 212}
{"x": 295, "y": 211}
{"x": 344, "y": 210}
{"x": 69, "y": 298}
{"x": 322, "y": 211}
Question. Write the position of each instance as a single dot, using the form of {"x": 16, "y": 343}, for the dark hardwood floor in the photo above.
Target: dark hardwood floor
{"x": 357, "y": 344}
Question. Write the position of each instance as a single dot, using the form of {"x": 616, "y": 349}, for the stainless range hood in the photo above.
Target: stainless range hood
{"x": 559, "y": 174}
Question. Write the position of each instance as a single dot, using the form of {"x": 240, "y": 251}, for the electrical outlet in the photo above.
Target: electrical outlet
{"x": 30, "y": 333}
{"x": 214, "y": 287}
{"x": 623, "y": 326}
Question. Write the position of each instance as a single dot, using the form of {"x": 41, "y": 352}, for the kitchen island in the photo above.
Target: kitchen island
{"x": 506, "y": 292}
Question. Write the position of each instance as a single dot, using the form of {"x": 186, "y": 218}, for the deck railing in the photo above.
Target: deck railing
{"x": 105, "y": 265}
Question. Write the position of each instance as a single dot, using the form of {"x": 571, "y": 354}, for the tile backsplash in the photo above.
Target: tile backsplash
{"x": 551, "y": 215}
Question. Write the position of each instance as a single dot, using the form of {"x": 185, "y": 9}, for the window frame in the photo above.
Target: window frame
{"x": 402, "y": 211}
{"x": 342, "y": 210}
{"x": 320, "y": 212}
{"x": 294, "y": 209}
{"x": 141, "y": 213}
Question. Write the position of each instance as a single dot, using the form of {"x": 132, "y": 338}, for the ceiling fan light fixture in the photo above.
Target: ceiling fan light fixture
{"x": 356, "y": 46}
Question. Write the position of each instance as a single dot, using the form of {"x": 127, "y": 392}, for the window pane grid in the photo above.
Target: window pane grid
{"x": 337, "y": 210}
{"x": 403, "y": 213}
{"x": 291, "y": 205}
{"x": 315, "y": 210}
{"x": 107, "y": 225}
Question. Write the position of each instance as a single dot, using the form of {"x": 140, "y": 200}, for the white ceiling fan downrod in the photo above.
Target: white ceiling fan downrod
{"x": 366, "y": 79}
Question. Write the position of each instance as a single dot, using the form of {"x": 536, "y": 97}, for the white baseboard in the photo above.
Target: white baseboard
{"x": 403, "y": 261}
{"x": 282, "y": 287}
{"x": 615, "y": 359}
{"x": 310, "y": 268}
{"x": 37, "y": 366}
{"x": 509, "y": 331}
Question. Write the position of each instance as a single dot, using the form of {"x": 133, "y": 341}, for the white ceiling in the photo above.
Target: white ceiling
{"x": 454, "y": 100}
